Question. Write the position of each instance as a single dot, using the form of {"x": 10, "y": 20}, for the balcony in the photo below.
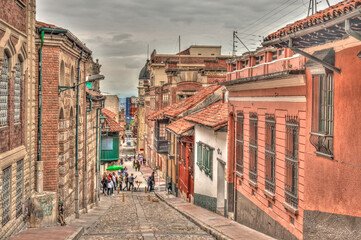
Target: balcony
{"x": 161, "y": 146}
{"x": 323, "y": 144}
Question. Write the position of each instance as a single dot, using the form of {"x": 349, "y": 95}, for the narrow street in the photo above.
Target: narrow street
{"x": 138, "y": 218}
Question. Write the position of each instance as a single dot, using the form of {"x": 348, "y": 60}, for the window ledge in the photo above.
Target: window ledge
{"x": 252, "y": 184}
{"x": 239, "y": 175}
{"x": 269, "y": 194}
{"x": 325, "y": 155}
{"x": 290, "y": 208}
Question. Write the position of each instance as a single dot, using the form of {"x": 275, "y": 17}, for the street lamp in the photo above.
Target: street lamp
{"x": 92, "y": 78}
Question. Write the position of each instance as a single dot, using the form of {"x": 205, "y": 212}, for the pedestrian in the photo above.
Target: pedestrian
{"x": 136, "y": 165}
{"x": 131, "y": 181}
{"x": 133, "y": 164}
{"x": 153, "y": 180}
{"x": 150, "y": 184}
{"x": 110, "y": 186}
{"x": 104, "y": 183}
{"x": 144, "y": 161}
{"x": 126, "y": 180}
{"x": 61, "y": 214}
{"x": 120, "y": 183}
{"x": 169, "y": 187}
{"x": 114, "y": 179}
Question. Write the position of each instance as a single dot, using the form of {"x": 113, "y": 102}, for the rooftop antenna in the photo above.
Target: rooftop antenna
{"x": 312, "y": 7}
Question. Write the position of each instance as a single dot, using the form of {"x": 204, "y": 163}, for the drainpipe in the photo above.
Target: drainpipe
{"x": 39, "y": 163}
{"x": 100, "y": 143}
{"x": 85, "y": 154}
{"x": 97, "y": 159}
{"x": 77, "y": 142}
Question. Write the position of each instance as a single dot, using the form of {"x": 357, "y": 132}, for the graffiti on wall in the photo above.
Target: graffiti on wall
{"x": 47, "y": 205}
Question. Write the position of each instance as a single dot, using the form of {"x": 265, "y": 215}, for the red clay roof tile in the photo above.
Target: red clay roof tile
{"x": 214, "y": 116}
{"x": 180, "y": 126}
{"x": 320, "y": 17}
{"x": 110, "y": 121}
{"x": 177, "y": 108}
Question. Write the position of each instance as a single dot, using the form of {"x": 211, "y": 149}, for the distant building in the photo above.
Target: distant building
{"x": 112, "y": 103}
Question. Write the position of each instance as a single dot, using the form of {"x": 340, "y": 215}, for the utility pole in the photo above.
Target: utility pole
{"x": 234, "y": 50}
{"x": 312, "y": 7}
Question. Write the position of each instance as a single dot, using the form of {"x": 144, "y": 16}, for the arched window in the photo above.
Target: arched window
{"x": 17, "y": 91}
{"x": 4, "y": 94}
{"x": 62, "y": 74}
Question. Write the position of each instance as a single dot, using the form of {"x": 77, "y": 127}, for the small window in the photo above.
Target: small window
{"x": 243, "y": 64}
{"x": 4, "y": 88}
{"x": 253, "y": 146}
{"x": 205, "y": 158}
{"x": 247, "y": 62}
{"x": 234, "y": 67}
{"x": 270, "y": 153}
{"x": 161, "y": 83}
{"x": 262, "y": 58}
{"x": 19, "y": 187}
{"x": 17, "y": 92}
{"x": 5, "y": 195}
{"x": 239, "y": 143}
{"x": 274, "y": 55}
{"x": 291, "y": 185}
{"x": 281, "y": 52}
{"x": 107, "y": 143}
{"x": 257, "y": 60}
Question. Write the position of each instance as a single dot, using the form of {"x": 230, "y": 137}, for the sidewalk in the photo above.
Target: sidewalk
{"x": 73, "y": 230}
{"x": 218, "y": 226}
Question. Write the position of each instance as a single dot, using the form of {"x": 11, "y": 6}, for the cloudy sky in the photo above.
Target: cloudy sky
{"x": 119, "y": 31}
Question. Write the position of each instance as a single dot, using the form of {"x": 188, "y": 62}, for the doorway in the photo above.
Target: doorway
{"x": 220, "y": 186}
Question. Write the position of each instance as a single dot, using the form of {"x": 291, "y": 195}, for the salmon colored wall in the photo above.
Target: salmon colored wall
{"x": 332, "y": 185}
{"x": 280, "y": 110}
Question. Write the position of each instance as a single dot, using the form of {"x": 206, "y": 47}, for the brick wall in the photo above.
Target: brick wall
{"x": 13, "y": 12}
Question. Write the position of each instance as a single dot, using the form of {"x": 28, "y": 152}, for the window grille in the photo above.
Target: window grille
{"x": 17, "y": 95}
{"x": 253, "y": 147}
{"x": 4, "y": 85}
{"x": 19, "y": 187}
{"x": 322, "y": 114}
{"x": 205, "y": 158}
{"x": 239, "y": 141}
{"x": 270, "y": 153}
{"x": 291, "y": 185}
{"x": 5, "y": 195}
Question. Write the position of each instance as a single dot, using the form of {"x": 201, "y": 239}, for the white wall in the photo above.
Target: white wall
{"x": 218, "y": 140}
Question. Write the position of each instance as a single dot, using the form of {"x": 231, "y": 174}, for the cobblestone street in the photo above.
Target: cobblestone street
{"x": 138, "y": 218}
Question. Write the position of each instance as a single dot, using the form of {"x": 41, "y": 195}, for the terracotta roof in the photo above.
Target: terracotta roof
{"x": 320, "y": 17}
{"x": 46, "y": 25}
{"x": 93, "y": 93}
{"x": 180, "y": 126}
{"x": 110, "y": 122}
{"x": 214, "y": 116}
{"x": 177, "y": 108}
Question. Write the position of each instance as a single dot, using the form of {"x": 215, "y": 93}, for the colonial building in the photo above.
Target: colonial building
{"x": 167, "y": 160}
{"x": 210, "y": 153}
{"x": 65, "y": 63}
{"x": 266, "y": 143}
{"x": 174, "y": 77}
{"x": 17, "y": 116}
{"x": 330, "y": 206}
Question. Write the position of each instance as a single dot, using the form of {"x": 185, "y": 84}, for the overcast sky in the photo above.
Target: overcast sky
{"x": 118, "y": 31}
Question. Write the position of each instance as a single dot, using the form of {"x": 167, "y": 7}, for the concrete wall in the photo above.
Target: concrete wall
{"x": 204, "y": 186}
{"x": 112, "y": 104}
{"x": 331, "y": 186}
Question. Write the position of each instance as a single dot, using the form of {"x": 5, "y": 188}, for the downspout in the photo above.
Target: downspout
{"x": 97, "y": 159}
{"x": 100, "y": 142}
{"x": 77, "y": 141}
{"x": 39, "y": 164}
{"x": 85, "y": 154}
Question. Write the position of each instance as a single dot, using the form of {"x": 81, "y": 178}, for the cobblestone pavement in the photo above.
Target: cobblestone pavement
{"x": 138, "y": 218}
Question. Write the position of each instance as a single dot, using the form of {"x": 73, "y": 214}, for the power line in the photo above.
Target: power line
{"x": 278, "y": 11}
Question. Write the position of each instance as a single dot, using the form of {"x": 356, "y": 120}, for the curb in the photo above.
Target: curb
{"x": 215, "y": 233}
{"x": 76, "y": 234}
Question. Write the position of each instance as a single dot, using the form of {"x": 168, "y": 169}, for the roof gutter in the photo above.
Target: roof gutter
{"x": 316, "y": 28}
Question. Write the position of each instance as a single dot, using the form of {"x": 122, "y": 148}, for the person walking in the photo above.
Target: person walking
{"x": 131, "y": 181}
{"x": 110, "y": 186}
{"x": 138, "y": 166}
{"x": 126, "y": 180}
{"x": 104, "y": 183}
{"x": 114, "y": 179}
{"x": 153, "y": 180}
{"x": 150, "y": 184}
{"x": 120, "y": 183}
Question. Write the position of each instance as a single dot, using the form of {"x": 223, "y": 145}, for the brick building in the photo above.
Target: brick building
{"x": 66, "y": 62}
{"x": 17, "y": 116}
